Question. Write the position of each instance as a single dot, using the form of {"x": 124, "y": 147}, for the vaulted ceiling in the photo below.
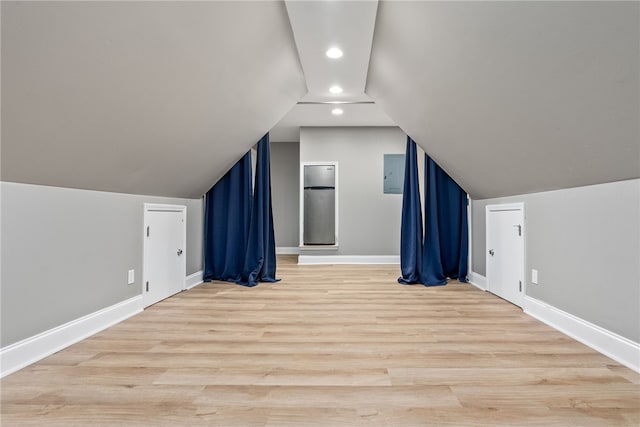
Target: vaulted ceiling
{"x": 158, "y": 98}
{"x": 514, "y": 97}
{"x": 162, "y": 98}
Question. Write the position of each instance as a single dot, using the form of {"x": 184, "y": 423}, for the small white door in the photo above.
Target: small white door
{"x": 505, "y": 252}
{"x": 164, "y": 268}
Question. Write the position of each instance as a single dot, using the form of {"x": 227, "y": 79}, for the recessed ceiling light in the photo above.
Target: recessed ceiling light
{"x": 334, "y": 53}
{"x": 335, "y": 89}
{"x": 337, "y": 111}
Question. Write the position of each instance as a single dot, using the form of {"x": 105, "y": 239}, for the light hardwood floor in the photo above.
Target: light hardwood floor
{"x": 328, "y": 345}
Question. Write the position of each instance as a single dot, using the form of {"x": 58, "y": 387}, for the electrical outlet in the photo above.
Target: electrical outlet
{"x": 131, "y": 277}
{"x": 534, "y": 276}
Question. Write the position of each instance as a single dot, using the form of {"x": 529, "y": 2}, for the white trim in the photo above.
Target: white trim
{"x": 610, "y": 344}
{"x": 286, "y": 250}
{"x": 30, "y": 350}
{"x": 336, "y": 193}
{"x": 164, "y": 208}
{"x": 311, "y": 248}
{"x": 506, "y": 207}
{"x": 348, "y": 259}
{"x": 478, "y": 280}
{"x": 193, "y": 280}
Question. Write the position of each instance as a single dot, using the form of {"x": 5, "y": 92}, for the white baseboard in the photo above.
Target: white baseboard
{"x": 478, "y": 280}
{"x": 23, "y": 353}
{"x": 284, "y": 250}
{"x": 348, "y": 259}
{"x": 610, "y": 344}
{"x": 193, "y": 280}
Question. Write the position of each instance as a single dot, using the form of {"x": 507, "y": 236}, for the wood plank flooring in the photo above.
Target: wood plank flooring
{"x": 326, "y": 346}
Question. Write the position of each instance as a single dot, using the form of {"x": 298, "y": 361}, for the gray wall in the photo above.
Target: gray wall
{"x": 66, "y": 253}
{"x": 585, "y": 244}
{"x": 285, "y": 181}
{"x": 369, "y": 220}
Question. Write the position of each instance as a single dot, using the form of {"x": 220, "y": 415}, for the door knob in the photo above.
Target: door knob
{"x": 179, "y": 252}
{"x": 491, "y": 252}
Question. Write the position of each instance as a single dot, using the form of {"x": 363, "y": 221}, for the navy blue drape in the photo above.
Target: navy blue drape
{"x": 226, "y": 223}
{"x": 411, "y": 225}
{"x": 442, "y": 252}
{"x": 260, "y": 260}
{"x": 445, "y": 250}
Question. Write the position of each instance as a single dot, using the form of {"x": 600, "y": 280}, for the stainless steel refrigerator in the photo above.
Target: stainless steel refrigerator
{"x": 319, "y": 205}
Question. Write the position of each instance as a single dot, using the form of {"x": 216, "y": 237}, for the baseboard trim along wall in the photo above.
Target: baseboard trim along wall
{"x": 193, "y": 280}
{"x": 610, "y": 344}
{"x": 30, "y": 350}
{"x": 284, "y": 250}
{"x": 348, "y": 259}
{"x": 478, "y": 280}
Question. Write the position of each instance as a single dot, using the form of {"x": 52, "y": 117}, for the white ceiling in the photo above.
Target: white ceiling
{"x": 288, "y": 129}
{"x": 161, "y": 98}
{"x": 317, "y": 26}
